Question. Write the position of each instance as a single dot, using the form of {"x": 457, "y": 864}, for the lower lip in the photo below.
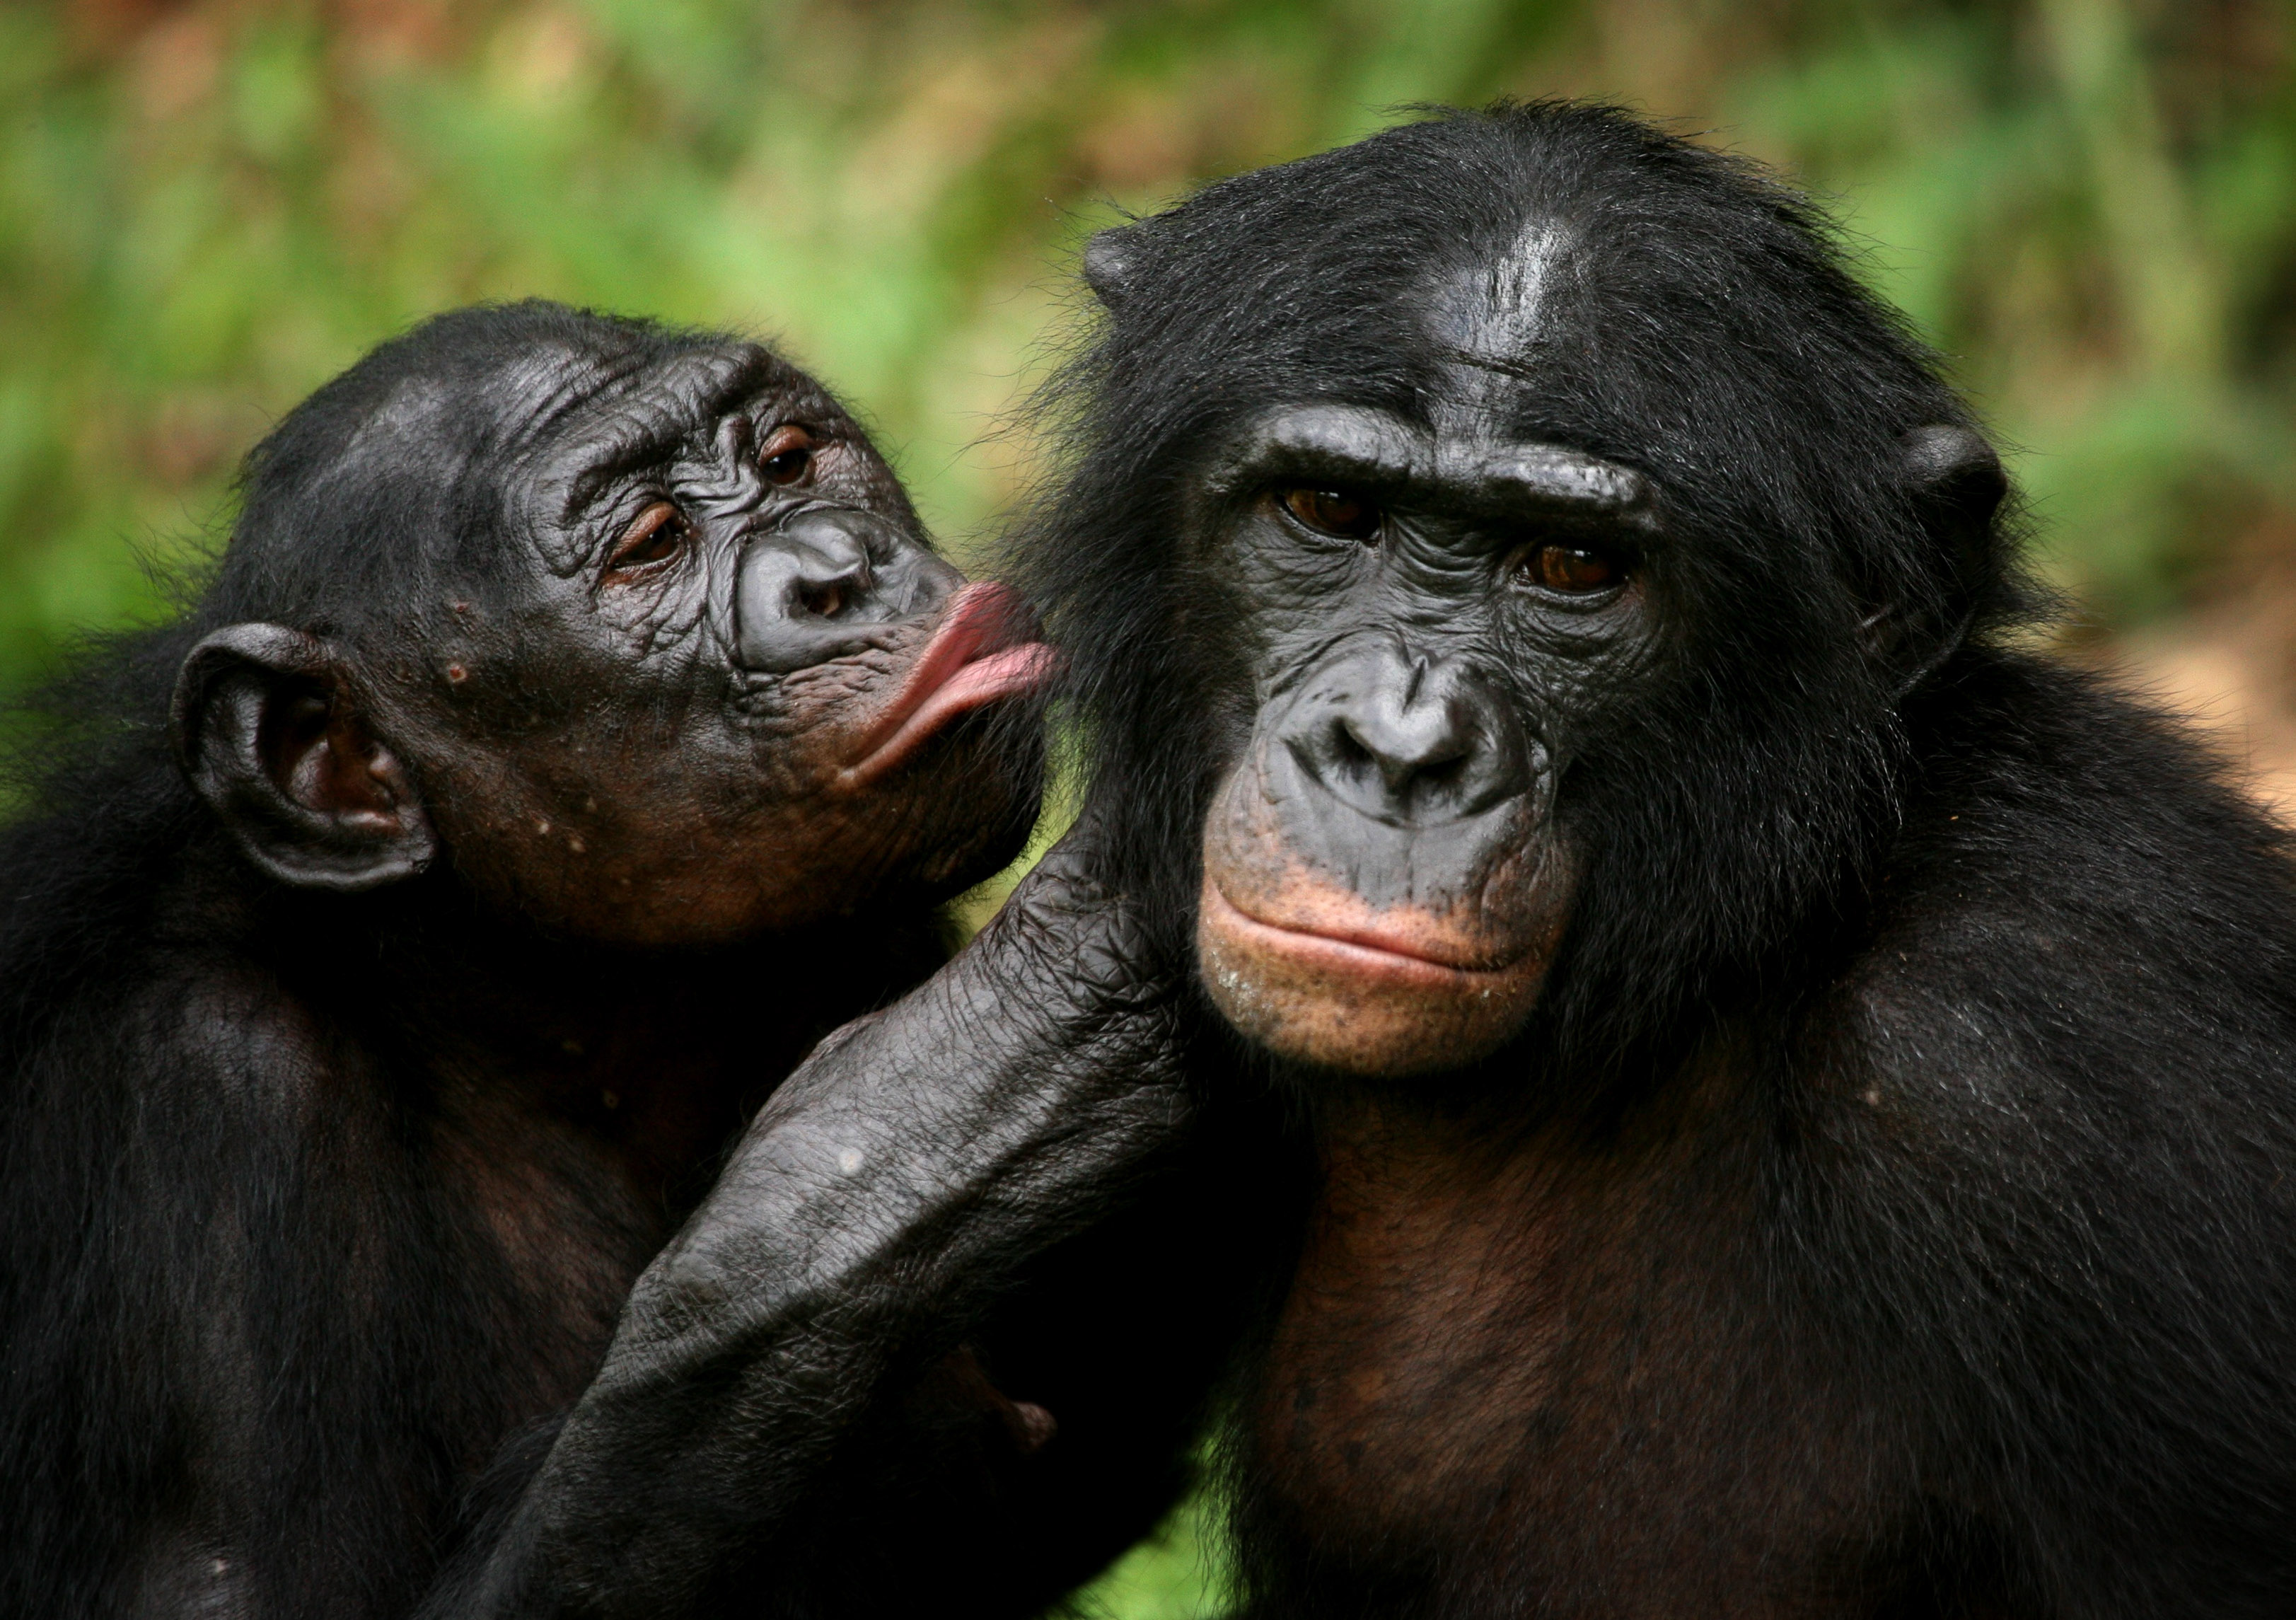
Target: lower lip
{"x": 1352, "y": 958}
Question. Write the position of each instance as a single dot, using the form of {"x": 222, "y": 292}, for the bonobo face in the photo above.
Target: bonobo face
{"x": 1434, "y": 611}
{"x": 738, "y": 680}
{"x": 685, "y": 668}
{"x": 1385, "y": 877}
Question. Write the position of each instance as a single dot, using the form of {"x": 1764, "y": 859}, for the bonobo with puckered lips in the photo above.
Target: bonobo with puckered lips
{"x": 576, "y": 729}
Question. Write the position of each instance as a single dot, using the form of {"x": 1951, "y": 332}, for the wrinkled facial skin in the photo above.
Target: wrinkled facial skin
{"x": 1434, "y": 612}
{"x": 731, "y": 695}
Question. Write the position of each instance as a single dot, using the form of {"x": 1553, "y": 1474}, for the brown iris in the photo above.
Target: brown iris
{"x": 1333, "y": 511}
{"x": 1571, "y": 571}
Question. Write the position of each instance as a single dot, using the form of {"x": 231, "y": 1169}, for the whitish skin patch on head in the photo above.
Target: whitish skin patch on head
{"x": 1496, "y": 311}
{"x": 1489, "y": 319}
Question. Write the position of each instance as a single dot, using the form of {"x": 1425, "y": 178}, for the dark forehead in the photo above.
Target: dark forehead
{"x": 607, "y": 405}
{"x": 432, "y": 437}
{"x": 1493, "y": 216}
{"x": 567, "y": 408}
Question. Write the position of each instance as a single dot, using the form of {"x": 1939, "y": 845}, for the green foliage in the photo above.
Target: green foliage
{"x": 1177, "y": 1574}
{"x": 206, "y": 207}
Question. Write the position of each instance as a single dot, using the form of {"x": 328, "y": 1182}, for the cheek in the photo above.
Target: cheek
{"x": 657, "y": 867}
{"x": 606, "y": 842}
{"x": 708, "y": 833}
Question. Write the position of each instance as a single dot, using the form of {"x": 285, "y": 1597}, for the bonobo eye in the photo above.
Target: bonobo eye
{"x": 787, "y": 455}
{"x": 1333, "y": 511}
{"x": 1570, "y": 571}
{"x": 655, "y": 536}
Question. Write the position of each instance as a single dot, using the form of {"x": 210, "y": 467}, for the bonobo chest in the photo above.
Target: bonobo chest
{"x": 573, "y": 1181}
{"x": 1554, "y": 1351}
{"x": 575, "y": 1139}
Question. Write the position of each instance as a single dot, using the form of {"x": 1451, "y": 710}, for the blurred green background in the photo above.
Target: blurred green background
{"x": 207, "y": 208}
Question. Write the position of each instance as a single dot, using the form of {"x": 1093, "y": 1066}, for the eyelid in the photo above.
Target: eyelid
{"x": 657, "y": 513}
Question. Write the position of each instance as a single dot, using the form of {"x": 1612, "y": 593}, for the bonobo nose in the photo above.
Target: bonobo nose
{"x": 810, "y": 588}
{"x": 1406, "y": 739}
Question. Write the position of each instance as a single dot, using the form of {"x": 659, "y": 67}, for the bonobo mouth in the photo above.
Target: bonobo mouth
{"x": 1388, "y": 948}
{"x": 1314, "y": 973}
{"x": 985, "y": 648}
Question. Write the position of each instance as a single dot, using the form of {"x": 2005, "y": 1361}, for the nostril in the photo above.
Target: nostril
{"x": 829, "y": 598}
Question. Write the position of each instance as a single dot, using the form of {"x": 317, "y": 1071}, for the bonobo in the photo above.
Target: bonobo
{"x": 1799, "y": 1087}
{"x": 1803, "y": 1087}
{"x": 577, "y": 727}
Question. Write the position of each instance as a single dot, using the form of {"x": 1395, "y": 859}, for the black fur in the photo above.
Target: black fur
{"x": 1994, "y": 1236}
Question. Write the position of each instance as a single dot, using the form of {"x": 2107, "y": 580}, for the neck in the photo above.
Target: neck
{"x": 1480, "y": 1121}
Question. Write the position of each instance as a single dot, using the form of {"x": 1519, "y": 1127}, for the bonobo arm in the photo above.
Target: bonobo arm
{"x": 883, "y": 1202}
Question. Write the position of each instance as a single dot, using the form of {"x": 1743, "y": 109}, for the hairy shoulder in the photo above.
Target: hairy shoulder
{"x": 2077, "y": 1001}
{"x": 2075, "y": 861}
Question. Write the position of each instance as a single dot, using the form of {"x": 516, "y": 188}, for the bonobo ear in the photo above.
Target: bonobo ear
{"x": 1959, "y": 482}
{"x": 265, "y": 728}
{"x": 1957, "y": 485}
{"x": 1111, "y": 262}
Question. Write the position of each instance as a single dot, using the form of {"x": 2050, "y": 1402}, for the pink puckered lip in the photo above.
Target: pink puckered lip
{"x": 1362, "y": 950}
{"x": 980, "y": 653}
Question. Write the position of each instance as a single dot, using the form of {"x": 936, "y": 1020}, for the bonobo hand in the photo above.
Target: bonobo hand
{"x": 871, "y": 1215}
